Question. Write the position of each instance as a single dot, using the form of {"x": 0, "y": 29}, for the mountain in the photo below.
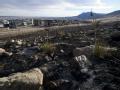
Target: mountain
{"x": 87, "y": 15}
{"x": 115, "y": 13}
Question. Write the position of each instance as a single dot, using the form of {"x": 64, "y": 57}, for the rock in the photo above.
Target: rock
{"x": 47, "y": 58}
{"x": 29, "y": 80}
{"x": 19, "y": 42}
{"x": 12, "y": 40}
{"x": 88, "y": 50}
{"x": 61, "y": 84}
{"x": 2, "y": 51}
{"x": 81, "y": 61}
{"x": 30, "y": 51}
{"x": 62, "y": 51}
{"x": 80, "y": 68}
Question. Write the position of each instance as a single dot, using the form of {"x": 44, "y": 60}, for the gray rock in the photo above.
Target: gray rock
{"x": 81, "y": 62}
{"x": 30, "y": 51}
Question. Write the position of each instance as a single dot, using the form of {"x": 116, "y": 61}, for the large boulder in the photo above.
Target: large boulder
{"x": 29, "y": 80}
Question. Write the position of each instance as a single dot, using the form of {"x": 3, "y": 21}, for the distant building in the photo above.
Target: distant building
{"x": 42, "y": 23}
{"x": 6, "y": 23}
{"x": 1, "y": 25}
{"x": 52, "y": 22}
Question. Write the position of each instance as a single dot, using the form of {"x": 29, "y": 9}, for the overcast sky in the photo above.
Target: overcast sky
{"x": 59, "y": 8}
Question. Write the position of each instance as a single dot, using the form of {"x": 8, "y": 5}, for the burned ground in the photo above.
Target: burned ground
{"x": 62, "y": 68}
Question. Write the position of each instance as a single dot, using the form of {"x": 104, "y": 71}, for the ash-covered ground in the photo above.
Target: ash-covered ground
{"x": 65, "y": 57}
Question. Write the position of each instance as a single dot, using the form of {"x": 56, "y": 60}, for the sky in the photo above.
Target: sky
{"x": 56, "y": 8}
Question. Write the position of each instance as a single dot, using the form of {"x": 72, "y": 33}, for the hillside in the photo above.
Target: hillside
{"x": 87, "y": 15}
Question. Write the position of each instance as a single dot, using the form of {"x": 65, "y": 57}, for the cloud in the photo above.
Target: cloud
{"x": 28, "y": 4}
{"x": 49, "y": 4}
{"x": 50, "y": 7}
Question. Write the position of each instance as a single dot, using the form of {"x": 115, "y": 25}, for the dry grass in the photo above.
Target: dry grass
{"x": 48, "y": 47}
{"x": 2, "y": 65}
{"x": 19, "y": 31}
{"x": 102, "y": 50}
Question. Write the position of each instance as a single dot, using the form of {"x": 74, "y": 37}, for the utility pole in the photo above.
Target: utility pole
{"x": 94, "y": 24}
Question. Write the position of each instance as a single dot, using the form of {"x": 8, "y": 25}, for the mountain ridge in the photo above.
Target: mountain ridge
{"x": 87, "y": 15}
{"x": 82, "y": 16}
